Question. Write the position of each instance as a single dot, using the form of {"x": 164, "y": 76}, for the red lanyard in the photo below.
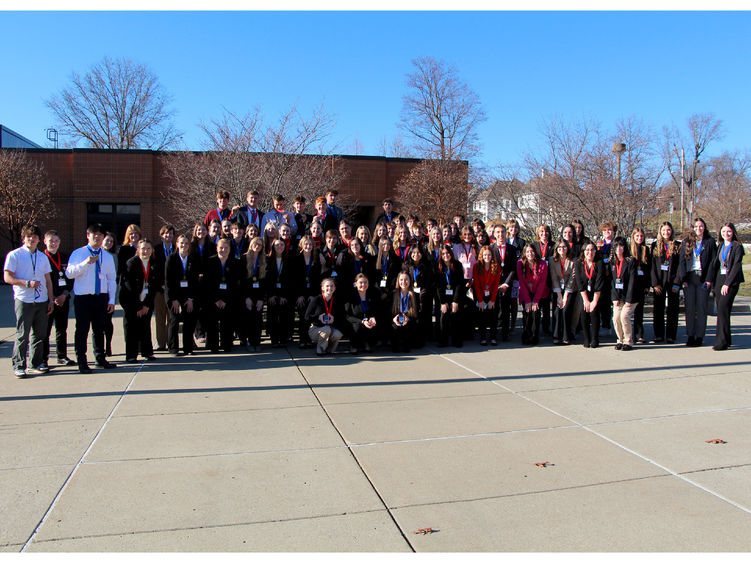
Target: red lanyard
{"x": 543, "y": 249}
{"x": 502, "y": 251}
{"x": 618, "y": 267}
{"x": 59, "y": 262}
{"x": 563, "y": 265}
{"x": 327, "y": 306}
{"x": 145, "y": 271}
{"x": 589, "y": 272}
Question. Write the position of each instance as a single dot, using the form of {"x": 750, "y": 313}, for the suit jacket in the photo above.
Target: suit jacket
{"x": 583, "y": 283}
{"x": 707, "y": 255}
{"x": 669, "y": 277}
{"x": 508, "y": 264}
{"x": 628, "y": 293}
{"x": 244, "y": 217}
{"x": 733, "y": 263}
{"x": 533, "y": 286}
{"x": 160, "y": 259}
{"x": 174, "y": 275}
{"x": 133, "y": 280}
{"x": 233, "y": 276}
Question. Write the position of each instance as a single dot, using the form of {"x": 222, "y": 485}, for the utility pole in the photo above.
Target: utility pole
{"x": 683, "y": 183}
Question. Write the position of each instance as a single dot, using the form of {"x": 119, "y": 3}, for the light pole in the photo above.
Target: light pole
{"x": 618, "y": 149}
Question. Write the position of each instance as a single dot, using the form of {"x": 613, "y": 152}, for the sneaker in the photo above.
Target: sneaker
{"x": 65, "y": 362}
{"x": 44, "y": 367}
{"x": 36, "y": 371}
{"x": 19, "y": 373}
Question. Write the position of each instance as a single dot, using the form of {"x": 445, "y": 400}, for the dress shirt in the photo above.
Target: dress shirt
{"x": 84, "y": 274}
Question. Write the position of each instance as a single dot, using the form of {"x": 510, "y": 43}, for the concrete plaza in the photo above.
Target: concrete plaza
{"x": 495, "y": 449}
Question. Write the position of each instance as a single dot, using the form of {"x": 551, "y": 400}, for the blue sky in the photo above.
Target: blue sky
{"x": 525, "y": 66}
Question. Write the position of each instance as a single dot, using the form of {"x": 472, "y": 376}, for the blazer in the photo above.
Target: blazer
{"x": 733, "y": 264}
{"x": 586, "y": 285}
{"x": 628, "y": 293}
{"x": 160, "y": 259}
{"x": 568, "y": 277}
{"x": 353, "y": 307}
{"x": 232, "y": 278}
{"x": 422, "y": 277}
{"x": 453, "y": 283}
{"x": 279, "y": 284}
{"x": 316, "y": 308}
{"x": 307, "y": 280}
{"x": 486, "y": 281}
{"x": 643, "y": 272}
{"x": 133, "y": 280}
{"x": 244, "y": 218}
{"x": 707, "y": 255}
{"x": 665, "y": 277}
{"x": 533, "y": 286}
{"x": 508, "y": 264}
{"x": 175, "y": 279}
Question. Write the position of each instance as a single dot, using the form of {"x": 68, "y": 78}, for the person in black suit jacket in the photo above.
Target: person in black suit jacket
{"x": 665, "y": 284}
{"x": 360, "y": 308}
{"x": 223, "y": 279}
{"x": 698, "y": 251}
{"x": 506, "y": 255}
{"x": 161, "y": 251}
{"x": 726, "y": 273}
{"x": 140, "y": 282}
{"x": 590, "y": 284}
{"x": 248, "y": 214}
{"x": 279, "y": 293}
{"x": 182, "y": 274}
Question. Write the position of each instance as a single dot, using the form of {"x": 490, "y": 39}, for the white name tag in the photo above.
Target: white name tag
{"x": 256, "y": 285}
{"x": 222, "y": 286}
{"x": 449, "y": 292}
{"x": 417, "y": 290}
{"x": 383, "y": 283}
{"x": 278, "y": 285}
{"x": 183, "y": 283}
{"x": 619, "y": 285}
{"x": 724, "y": 271}
{"x": 486, "y": 293}
{"x": 61, "y": 282}
{"x": 664, "y": 267}
{"x": 640, "y": 272}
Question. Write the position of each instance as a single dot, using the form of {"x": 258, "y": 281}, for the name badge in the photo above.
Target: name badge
{"x": 61, "y": 282}
{"x": 256, "y": 285}
{"x": 183, "y": 283}
{"x": 589, "y": 287}
{"x": 640, "y": 272}
{"x": 563, "y": 284}
{"x": 724, "y": 271}
{"x": 449, "y": 292}
{"x": 605, "y": 260}
{"x": 619, "y": 285}
{"x": 334, "y": 274}
{"x": 307, "y": 285}
{"x": 665, "y": 267}
{"x": 143, "y": 294}
{"x": 278, "y": 285}
{"x": 417, "y": 290}
{"x": 383, "y": 283}
{"x": 222, "y": 286}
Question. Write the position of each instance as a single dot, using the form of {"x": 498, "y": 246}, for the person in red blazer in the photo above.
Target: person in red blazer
{"x": 533, "y": 287}
{"x": 485, "y": 281}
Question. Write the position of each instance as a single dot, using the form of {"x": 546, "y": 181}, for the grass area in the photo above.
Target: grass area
{"x": 747, "y": 258}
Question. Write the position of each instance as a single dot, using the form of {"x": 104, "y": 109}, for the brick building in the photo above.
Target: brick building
{"x": 119, "y": 187}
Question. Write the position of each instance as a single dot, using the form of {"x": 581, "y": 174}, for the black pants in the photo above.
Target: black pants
{"x": 359, "y": 335}
{"x": 531, "y": 327}
{"x": 639, "y": 316}
{"x": 138, "y": 331}
{"x": 660, "y": 323}
{"x": 545, "y": 305}
{"x": 488, "y": 322}
{"x": 91, "y": 313}
{"x": 591, "y": 325}
{"x": 403, "y": 337}
{"x": 563, "y": 317}
{"x": 58, "y": 318}
{"x": 279, "y": 320}
{"x": 724, "y": 306}
{"x": 219, "y": 326}
{"x": 450, "y": 325}
{"x": 173, "y": 329}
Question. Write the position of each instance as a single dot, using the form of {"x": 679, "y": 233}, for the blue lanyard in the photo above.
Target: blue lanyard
{"x": 415, "y": 273}
{"x": 385, "y": 266}
{"x": 725, "y": 251}
{"x": 404, "y": 305}
{"x": 363, "y": 303}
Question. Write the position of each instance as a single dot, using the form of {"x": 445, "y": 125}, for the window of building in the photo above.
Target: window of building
{"x": 114, "y": 216}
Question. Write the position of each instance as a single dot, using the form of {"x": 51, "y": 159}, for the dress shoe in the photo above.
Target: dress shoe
{"x": 627, "y": 347}
{"x": 84, "y": 368}
{"x": 106, "y": 365}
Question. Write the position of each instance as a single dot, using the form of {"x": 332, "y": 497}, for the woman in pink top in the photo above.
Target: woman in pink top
{"x": 533, "y": 275}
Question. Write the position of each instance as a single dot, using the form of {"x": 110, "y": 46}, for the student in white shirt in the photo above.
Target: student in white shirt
{"x": 28, "y": 271}
{"x": 94, "y": 285}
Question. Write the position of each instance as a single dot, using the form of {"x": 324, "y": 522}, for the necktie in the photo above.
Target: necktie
{"x": 98, "y": 272}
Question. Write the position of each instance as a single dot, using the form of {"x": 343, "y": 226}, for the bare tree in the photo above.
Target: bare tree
{"x": 434, "y": 188}
{"x": 682, "y": 152}
{"x": 289, "y": 157}
{"x": 397, "y": 148}
{"x": 726, "y": 190}
{"x": 441, "y": 112}
{"x": 117, "y": 104}
{"x": 25, "y": 194}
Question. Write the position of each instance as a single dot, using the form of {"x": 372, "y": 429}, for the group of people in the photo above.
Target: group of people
{"x": 321, "y": 278}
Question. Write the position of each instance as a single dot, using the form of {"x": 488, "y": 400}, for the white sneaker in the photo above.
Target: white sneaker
{"x": 19, "y": 373}
{"x": 35, "y": 371}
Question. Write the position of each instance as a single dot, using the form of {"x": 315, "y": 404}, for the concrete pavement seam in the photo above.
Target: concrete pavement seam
{"x": 80, "y": 461}
{"x": 354, "y": 457}
{"x": 613, "y": 442}
{"x": 213, "y": 526}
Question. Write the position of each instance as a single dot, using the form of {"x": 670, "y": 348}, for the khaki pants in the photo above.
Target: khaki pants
{"x": 623, "y": 315}
{"x": 326, "y": 338}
